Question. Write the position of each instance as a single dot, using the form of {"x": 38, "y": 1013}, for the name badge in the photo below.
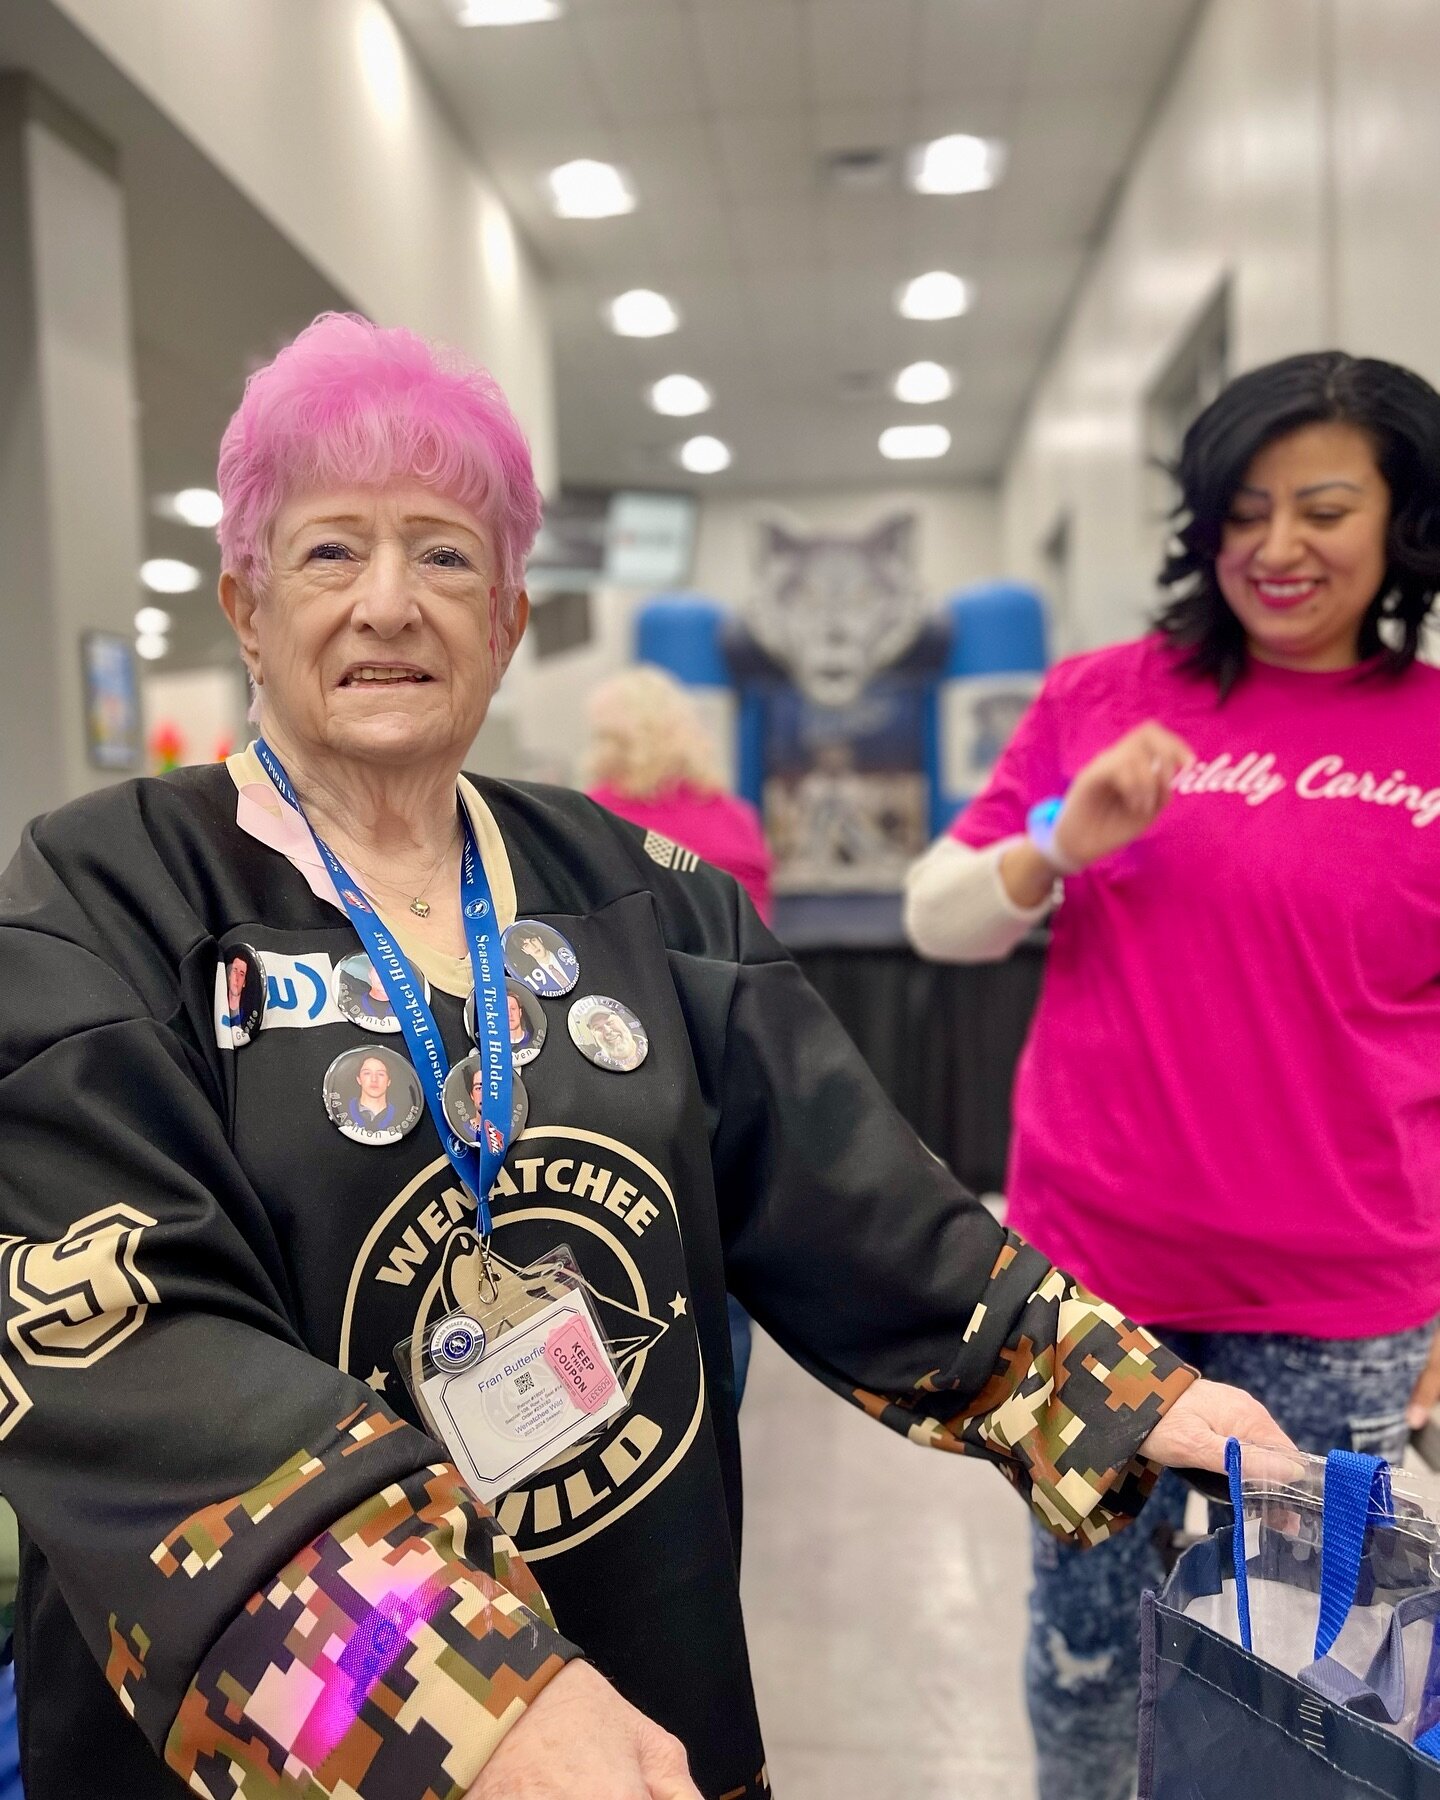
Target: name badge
{"x": 509, "y": 1394}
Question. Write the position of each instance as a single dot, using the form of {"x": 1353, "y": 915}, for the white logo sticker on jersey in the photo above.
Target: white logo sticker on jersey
{"x": 297, "y": 994}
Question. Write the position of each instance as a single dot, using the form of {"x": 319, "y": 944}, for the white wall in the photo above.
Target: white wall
{"x": 542, "y": 705}
{"x": 317, "y": 110}
{"x": 1296, "y": 156}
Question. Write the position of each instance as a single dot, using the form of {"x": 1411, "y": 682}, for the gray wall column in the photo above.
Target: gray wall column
{"x": 70, "y": 523}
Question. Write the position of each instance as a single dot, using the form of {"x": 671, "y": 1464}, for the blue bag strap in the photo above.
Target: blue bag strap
{"x": 1357, "y": 1490}
{"x": 1237, "y": 1506}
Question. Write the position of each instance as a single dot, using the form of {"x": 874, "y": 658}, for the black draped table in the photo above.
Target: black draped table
{"x": 943, "y": 1038}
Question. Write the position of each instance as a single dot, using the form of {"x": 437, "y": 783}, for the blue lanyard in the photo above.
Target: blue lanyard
{"x": 477, "y": 1166}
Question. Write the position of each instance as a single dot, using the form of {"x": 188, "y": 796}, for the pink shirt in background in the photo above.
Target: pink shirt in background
{"x": 1227, "y": 1116}
{"x": 717, "y": 826}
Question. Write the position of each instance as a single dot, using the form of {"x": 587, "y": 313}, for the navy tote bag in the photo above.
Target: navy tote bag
{"x": 1219, "y": 1722}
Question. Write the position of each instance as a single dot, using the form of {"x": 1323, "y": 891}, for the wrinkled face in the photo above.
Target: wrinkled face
{"x": 1302, "y": 555}
{"x": 235, "y": 983}
{"x": 378, "y": 634}
{"x": 374, "y": 1079}
{"x": 612, "y": 1035}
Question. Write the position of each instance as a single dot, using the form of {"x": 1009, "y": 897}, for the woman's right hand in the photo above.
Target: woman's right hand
{"x": 578, "y": 1737}
{"x": 1119, "y": 793}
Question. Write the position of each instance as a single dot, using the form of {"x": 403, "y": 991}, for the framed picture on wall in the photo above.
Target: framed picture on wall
{"x": 112, "y": 700}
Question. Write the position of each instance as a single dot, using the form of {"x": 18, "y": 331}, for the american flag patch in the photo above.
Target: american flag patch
{"x": 669, "y": 855}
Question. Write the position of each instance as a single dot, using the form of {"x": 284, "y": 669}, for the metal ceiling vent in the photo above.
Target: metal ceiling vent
{"x": 859, "y": 171}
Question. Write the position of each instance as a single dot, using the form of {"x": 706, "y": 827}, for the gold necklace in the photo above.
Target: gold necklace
{"x": 419, "y": 905}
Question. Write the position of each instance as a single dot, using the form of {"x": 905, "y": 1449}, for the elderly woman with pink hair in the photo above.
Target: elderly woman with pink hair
{"x": 254, "y": 1561}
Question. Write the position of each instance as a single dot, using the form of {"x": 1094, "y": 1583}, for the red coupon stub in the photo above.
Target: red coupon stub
{"x": 580, "y": 1363}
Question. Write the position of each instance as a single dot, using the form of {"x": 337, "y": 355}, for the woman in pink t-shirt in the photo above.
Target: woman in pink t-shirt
{"x": 1228, "y": 1113}
{"x": 652, "y": 761}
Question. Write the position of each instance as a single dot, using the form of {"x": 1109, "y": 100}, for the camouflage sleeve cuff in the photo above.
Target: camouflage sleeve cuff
{"x": 385, "y": 1662}
{"x": 1073, "y": 1389}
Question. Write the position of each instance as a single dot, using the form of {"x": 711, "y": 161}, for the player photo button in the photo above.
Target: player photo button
{"x": 373, "y": 1096}
{"x": 244, "y": 993}
{"x": 360, "y": 994}
{"x": 607, "y": 1033}
{"x": 540, "y": 958}
{"x": 526, "y": 1022}
{"x": 461, "y": 1098}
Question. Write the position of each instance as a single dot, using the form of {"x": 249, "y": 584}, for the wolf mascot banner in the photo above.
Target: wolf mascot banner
{"x": 865, "y": 715}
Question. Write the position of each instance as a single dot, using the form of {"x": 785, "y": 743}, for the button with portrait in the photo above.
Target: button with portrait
{"x": 373, "y": 1096}
{"x": 540, "y": 958}
{"x": 608, "y": 1033}
{"x": 525, "y": 1022}
{"x": 463, "y": 1100}
{"x": 360, "y": 994}
{"x": 244, "y": 993}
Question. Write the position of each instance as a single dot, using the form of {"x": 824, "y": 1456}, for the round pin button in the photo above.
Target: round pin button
{"x": 461, "y": 1097}
{"x": 372, "y": 1095}
{"x": 526, "y": 1022}
{"x": 462, "y": 1100}
{"x": 360, "y": 994}
{"x": 457, "y": 1343}
{"x": 244, "y": 994}
{"x": 607, "y": 1033}
{"x": 540, "y": 958}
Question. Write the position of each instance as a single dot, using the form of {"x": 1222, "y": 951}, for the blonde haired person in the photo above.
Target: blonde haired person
{"x": 652, "y": 761}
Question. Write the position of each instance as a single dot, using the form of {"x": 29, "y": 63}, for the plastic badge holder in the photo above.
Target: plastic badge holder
{"x": 519, "y": 1378}
{"x": 1342, "y": 1588}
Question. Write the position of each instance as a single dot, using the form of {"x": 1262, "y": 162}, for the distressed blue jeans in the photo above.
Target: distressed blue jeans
{"x": 1082, "y": 1666}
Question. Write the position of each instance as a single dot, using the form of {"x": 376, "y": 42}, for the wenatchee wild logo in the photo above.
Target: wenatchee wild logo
{"x": 421, "y": 1262}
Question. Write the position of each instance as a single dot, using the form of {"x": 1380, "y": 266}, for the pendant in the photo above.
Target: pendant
{"x": 420, "y": 908}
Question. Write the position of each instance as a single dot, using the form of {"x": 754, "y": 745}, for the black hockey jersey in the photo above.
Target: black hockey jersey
{"x": 245, "y": 1566}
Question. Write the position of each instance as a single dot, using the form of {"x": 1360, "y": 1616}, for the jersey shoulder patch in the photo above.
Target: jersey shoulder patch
{"x": 669, "y": 854}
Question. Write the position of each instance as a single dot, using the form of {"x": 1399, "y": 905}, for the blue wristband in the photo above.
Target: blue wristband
{"x": 1040, "y": 824}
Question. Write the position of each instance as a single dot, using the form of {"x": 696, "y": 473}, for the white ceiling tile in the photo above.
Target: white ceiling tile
{"x": 645, "y": 59}
{"x": 766, "y": 155}
{"x": 860, "y": 51}
{"x": 1080, "y": 44}
{"x": 971, "y": 48}
{"x": 752, "y": 54}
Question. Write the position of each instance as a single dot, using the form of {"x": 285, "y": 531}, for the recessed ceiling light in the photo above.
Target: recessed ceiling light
{"x": 151, "y": 645}
{"x": 197, "y": 506}
{"x": 164, "y": 575}
{"x": 152, "y": 621}
{"x": 586, "y": 189}
{"x": 509, "y": 12}
{"x": 642, "y": 313}
{"x": 912, "y": 443}
{"x": 923, "y": 383}
{"x": 678, "y": 396}
{"x": 938, "y": 295}
{"x": 959, "y": 164}
{"x": 704, "y": 455}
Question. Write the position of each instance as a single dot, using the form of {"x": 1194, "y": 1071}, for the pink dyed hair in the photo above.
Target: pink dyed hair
{"x": 351, "y": 404}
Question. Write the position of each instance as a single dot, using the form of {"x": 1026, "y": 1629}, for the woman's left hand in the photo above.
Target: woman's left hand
{"x": 1427, "y": 1389}
{"x": 1192, "y": 1435}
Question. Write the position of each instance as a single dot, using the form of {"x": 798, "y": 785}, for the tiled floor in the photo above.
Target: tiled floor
{"x": 884, "y": 1594}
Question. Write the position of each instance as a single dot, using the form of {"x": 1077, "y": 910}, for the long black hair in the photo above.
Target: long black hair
{"x": 1401, "y": 413}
